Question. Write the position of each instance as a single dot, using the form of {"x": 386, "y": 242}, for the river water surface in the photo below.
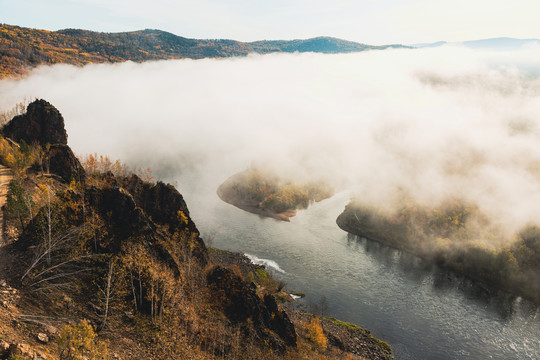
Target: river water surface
{"x": 423, "y": 312}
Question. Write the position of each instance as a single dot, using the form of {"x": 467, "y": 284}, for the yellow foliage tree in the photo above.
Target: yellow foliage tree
{"x": 315, "y": 334}
{"x": 77, "y": 342}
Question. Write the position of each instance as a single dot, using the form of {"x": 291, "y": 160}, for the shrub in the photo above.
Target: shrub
{"x": 78, "y": 342}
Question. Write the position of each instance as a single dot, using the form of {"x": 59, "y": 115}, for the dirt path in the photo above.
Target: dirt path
{"x": 5, "y": 178}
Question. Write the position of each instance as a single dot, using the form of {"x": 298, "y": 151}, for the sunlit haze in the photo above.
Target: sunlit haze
{"x": 436, "y": 122}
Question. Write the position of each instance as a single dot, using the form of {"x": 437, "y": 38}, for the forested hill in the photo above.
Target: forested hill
{"x": 22, "y": 48}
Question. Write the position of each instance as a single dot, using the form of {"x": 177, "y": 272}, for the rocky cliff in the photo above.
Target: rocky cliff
{"x": 124, "y": 255}
{"x": 42, "y": 124}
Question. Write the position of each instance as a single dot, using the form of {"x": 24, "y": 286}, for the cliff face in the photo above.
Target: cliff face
{"x": 42, "y": 124}
{"x": 87, "y": 225}
{"x": 124, "y": 255}
{"x": 60, "y": 160}
{"x": 166, "y": 206}
{"x": 240, "y": 303}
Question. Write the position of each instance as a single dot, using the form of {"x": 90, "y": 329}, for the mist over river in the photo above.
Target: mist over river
{"x": 432, "y": 123}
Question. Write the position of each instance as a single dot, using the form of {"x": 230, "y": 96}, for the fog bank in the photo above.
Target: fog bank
{"x": 436, "y": 122}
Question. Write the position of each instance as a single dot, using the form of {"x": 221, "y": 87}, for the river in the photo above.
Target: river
{"x": 423, "y": 312}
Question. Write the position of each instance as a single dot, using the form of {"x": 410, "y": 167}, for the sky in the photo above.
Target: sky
{"x": 367, "y": 21}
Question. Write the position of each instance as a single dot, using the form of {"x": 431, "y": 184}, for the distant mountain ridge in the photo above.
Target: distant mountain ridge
{"x": 23, "y": 48}
{"x": 500, "y": 43}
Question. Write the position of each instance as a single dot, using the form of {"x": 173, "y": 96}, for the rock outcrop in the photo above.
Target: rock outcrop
{"x": 118, "y": 207}
{"x": 240, "y": 303}
{"x": 165, "y": 206}
{"x": 161, "y": 201}
{"x": 42, "y": 124}
{"x": 61, "y": 161}
{"x": 128, "y": 222}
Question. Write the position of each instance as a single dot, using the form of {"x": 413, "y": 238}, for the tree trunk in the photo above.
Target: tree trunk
{"x": 107, "y": 294}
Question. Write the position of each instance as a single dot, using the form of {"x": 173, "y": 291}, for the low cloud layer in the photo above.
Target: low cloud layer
{"x": 437, "y": 122}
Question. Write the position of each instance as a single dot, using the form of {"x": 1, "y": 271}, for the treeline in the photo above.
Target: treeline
{"x": 22, "y": 48}
{"x": 455, "y": 235}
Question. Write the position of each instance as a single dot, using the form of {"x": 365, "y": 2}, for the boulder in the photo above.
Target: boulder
{"x": 43, "y": 338}
{"x": 42, "y": 124}
{"x": 21, "y": 351}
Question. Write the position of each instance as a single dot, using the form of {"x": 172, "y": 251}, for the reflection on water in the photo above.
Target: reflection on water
{"x": 415, "y": 268}
{"x": 422, "y": 311}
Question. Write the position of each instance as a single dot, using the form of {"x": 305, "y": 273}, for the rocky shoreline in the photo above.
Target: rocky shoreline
{"x": 344, "y": 337}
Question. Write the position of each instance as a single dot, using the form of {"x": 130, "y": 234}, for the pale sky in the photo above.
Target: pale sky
{"x": 367, "y": 21}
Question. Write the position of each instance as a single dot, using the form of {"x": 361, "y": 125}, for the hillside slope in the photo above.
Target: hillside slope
{"x": 101, "y": 263}
{"x": 22, "y": 48}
